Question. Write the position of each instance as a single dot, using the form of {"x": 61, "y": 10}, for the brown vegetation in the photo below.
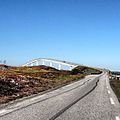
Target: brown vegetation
{"x": 17, "y": 82}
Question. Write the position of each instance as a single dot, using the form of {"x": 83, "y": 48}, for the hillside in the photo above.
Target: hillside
{"x": 17, "y": 82}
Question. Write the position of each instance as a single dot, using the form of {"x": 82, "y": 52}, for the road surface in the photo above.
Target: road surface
{"x": 88, "y": 99}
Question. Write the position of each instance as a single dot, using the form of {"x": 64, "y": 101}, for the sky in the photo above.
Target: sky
{"x": 80, "y": 31}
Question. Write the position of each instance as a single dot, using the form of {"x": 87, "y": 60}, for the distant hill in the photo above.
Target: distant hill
{"x": 86, "y": 70}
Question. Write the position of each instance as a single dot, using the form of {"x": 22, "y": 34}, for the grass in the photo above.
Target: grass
{"x": 70, "y": 77}
{"x": 115, "y": 84}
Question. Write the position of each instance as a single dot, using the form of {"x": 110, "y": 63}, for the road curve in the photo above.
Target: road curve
{"x": 88, "y": 99}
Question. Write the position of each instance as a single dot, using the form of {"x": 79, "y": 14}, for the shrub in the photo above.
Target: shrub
{"x": 75, "y": 71}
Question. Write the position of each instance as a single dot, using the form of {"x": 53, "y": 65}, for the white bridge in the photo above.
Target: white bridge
{"x": 58, "y": 64}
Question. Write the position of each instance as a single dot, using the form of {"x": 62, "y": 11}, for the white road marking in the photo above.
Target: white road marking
{"x": 117, "y": 118}
{"x": 107, "y": 87}
{"x": 108, "y": 92}
{"x": 2, "y": 111}
{"x": 112, "y": 101}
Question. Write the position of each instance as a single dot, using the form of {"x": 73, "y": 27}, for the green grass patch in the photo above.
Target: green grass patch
{"x": 69, "y": 77}
{"x": 115, "y": 84}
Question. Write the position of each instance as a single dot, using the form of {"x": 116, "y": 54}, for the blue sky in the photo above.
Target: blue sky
{"x": 81, "y": 31}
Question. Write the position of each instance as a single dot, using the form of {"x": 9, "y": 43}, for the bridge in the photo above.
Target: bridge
{"x": 58, "y": 64}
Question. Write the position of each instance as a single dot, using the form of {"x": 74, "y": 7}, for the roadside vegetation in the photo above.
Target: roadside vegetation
{"x": 115, "y": 84}
{"x": 18, "y": 82}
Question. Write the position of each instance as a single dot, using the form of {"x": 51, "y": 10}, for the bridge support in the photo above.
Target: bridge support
{"x": 51, "y": 64}
{"x": 43, "y": 62}
{"x": 71, "y": 67}
{"x": 37, "y": 63}
{"x": 31, "y": 64}
{"x": 59, "y": 67}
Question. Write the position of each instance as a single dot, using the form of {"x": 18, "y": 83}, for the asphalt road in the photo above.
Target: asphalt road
{"x": 88, "y": 99}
